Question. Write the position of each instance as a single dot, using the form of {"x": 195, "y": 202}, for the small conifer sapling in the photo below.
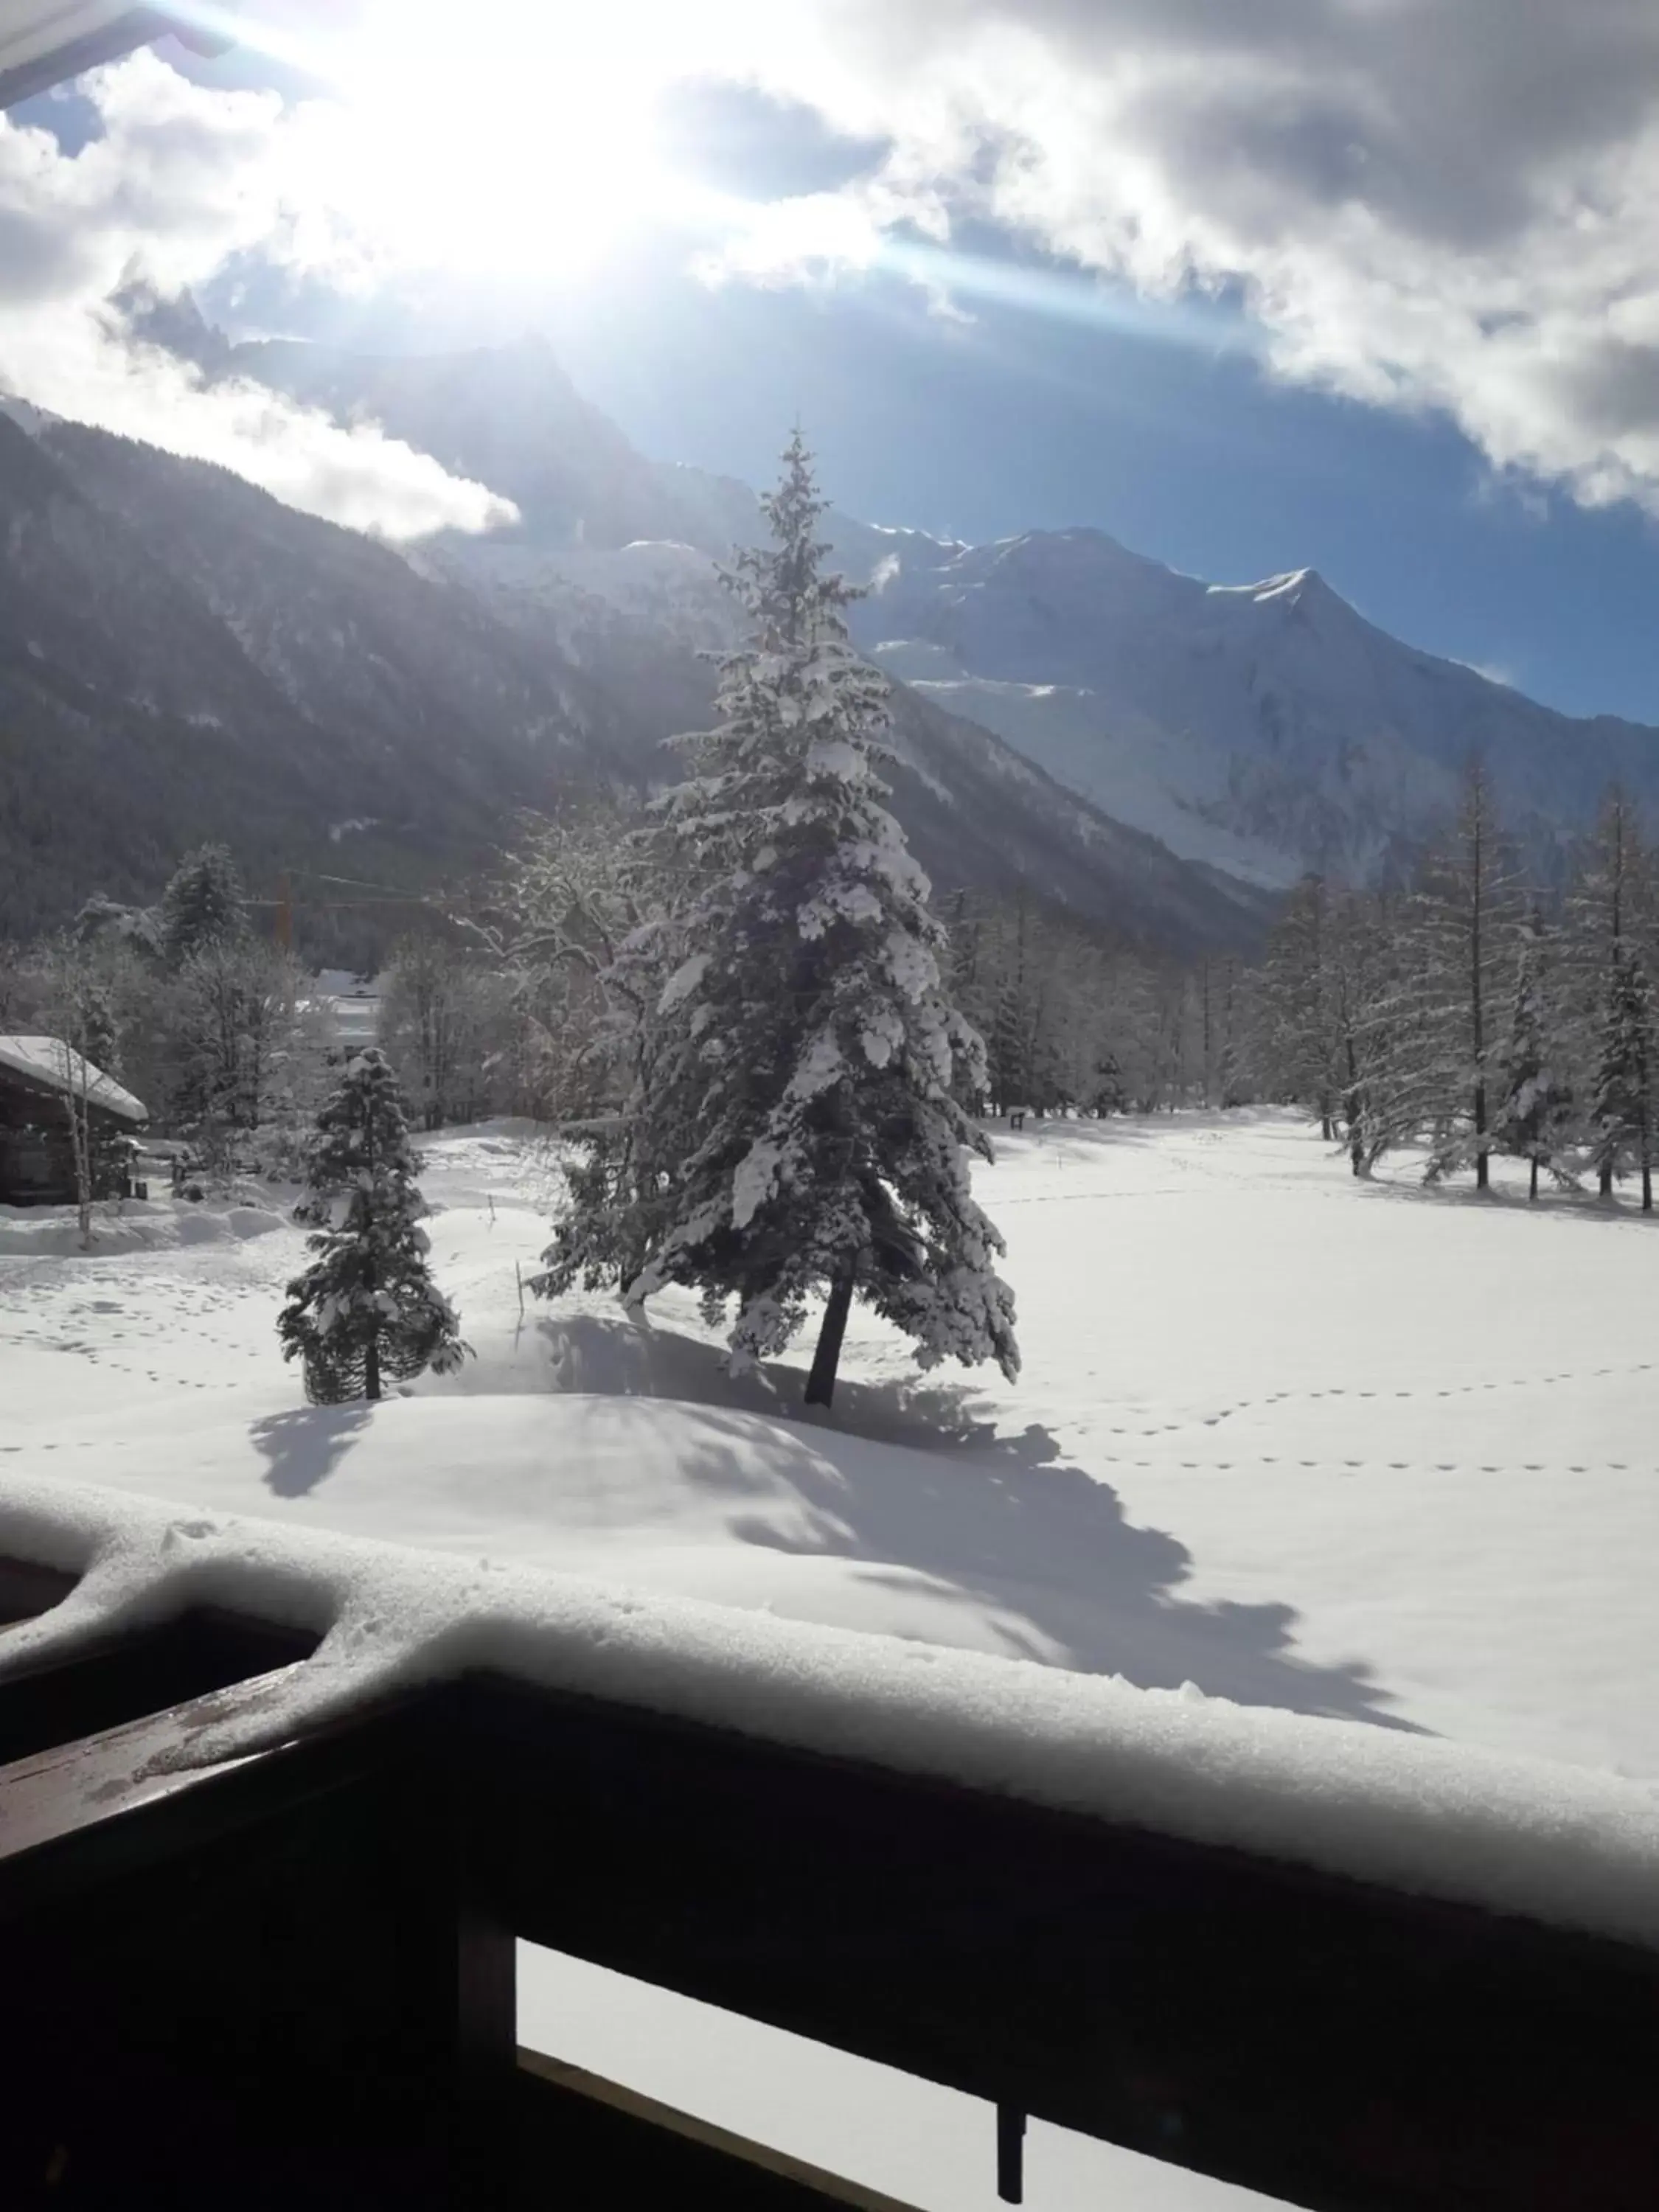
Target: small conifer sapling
{"x": 366, "y": 1311}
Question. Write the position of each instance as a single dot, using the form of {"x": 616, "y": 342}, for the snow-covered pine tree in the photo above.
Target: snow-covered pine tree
{"x": 203, "y": 905}
{"x": 366, "y": 1311}
{"x": 1444, "y": 1014}
{"x": 1299, "y": 1046}
{"x": 1532, "y": 1116}
{"x": 1319, "y": 1027}
{"x": 230, "y": 1012}
{"x": 1361, "y": 978}
{"x": 295, "y": 1067}
{"x": 796, "y": 1128}
{"x": 1622, "y": 1108}
{"x": 1606, "y": 910}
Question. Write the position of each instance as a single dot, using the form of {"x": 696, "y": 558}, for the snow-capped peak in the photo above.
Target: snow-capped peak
{"x": 1295, "y": 586}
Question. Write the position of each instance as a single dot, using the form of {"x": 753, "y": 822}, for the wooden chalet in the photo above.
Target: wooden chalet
{"x": 45, "y": 1084}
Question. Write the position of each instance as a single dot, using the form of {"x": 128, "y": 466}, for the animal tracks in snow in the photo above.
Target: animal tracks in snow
{"x": 1337, "y": 1462}
{"x": 1279, "y": 1398}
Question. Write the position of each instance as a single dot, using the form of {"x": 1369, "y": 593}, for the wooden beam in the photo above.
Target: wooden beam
{"x": 1325, "y": 2041}
{"x": 254, "y": 1981}
{"x": 746, "y": 2162}
{"x": 95, "y": 1686}
{"x": 205, "y": 1947}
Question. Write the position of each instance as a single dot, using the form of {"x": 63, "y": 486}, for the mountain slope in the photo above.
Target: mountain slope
{"x": 642, "y": 621}
{"x": 181, "y": 657}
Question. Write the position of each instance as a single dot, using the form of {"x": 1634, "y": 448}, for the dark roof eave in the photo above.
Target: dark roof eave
{"x": 138, "y": 27}
{"x": 33, "y": 1087}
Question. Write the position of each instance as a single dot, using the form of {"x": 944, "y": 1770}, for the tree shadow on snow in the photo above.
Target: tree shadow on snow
{"x": 972, "y": 1516}
{"x": 306, "y": 1446}
{"x": 1552, "y": 1204}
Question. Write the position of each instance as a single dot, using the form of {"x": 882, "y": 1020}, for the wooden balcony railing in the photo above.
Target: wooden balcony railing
{"x": 286, "y": 1979}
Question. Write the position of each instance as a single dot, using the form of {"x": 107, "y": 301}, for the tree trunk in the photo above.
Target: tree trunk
{"x": 1604, "y": 1182}
{"x": 1476, "y": 1008}
{"x": 821, "y": 1382}
{"x": 1647, "y": 1185}
{"x": 80, "y": 1130}
{"x": 372, "y": 1349}
{"x": 1532, "y": 1192}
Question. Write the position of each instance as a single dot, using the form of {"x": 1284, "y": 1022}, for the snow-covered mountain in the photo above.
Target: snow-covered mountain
{"x": 640, "y": 621}
{"x": 181, "y": 657}
{"x": 1265, "y": 727}
{"x": 1257, "y": 729}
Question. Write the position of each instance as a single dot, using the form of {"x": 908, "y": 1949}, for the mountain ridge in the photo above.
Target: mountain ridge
{"x": 181, "y": 656}
{"x": 1273, "y": 712}
{"x": 1161, "y": 753}
{"x": 1261, "y": 729}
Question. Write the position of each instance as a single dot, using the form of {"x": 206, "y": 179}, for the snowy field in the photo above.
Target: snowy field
{"x": 1357, "y": 1450}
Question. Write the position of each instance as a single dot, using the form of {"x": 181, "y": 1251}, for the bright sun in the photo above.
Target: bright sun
{"x": 505, "y": 136}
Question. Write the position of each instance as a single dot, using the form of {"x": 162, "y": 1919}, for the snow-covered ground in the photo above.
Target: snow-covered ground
{"x": 1360, "y": 1451}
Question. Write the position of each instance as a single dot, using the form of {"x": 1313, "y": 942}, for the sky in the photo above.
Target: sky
{"x": 1366, "y": 285}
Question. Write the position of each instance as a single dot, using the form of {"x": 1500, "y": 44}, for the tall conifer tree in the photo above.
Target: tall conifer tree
{"x": 1531, "y": 1117}
{"x": 1622, "y": 1110}
{"x": 203, "y": 906}
{"x": 797, "y": 1128}
{"x": 1443, "y": 1021}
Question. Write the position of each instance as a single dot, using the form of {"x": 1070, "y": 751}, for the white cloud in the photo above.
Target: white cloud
{"x": 1428, "y": 206}
{"x": 182, "y": 180}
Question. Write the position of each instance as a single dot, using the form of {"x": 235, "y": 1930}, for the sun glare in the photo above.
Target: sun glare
{"x": 507, "y": 138}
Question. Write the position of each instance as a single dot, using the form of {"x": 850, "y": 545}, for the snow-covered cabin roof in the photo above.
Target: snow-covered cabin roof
{"x": 47, "y": 1064}
{"x": 46, "y": 42}
{"x": 1553, "y": 1844}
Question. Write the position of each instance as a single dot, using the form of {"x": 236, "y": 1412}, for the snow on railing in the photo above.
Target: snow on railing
{"x": 1558, "y": 1845}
